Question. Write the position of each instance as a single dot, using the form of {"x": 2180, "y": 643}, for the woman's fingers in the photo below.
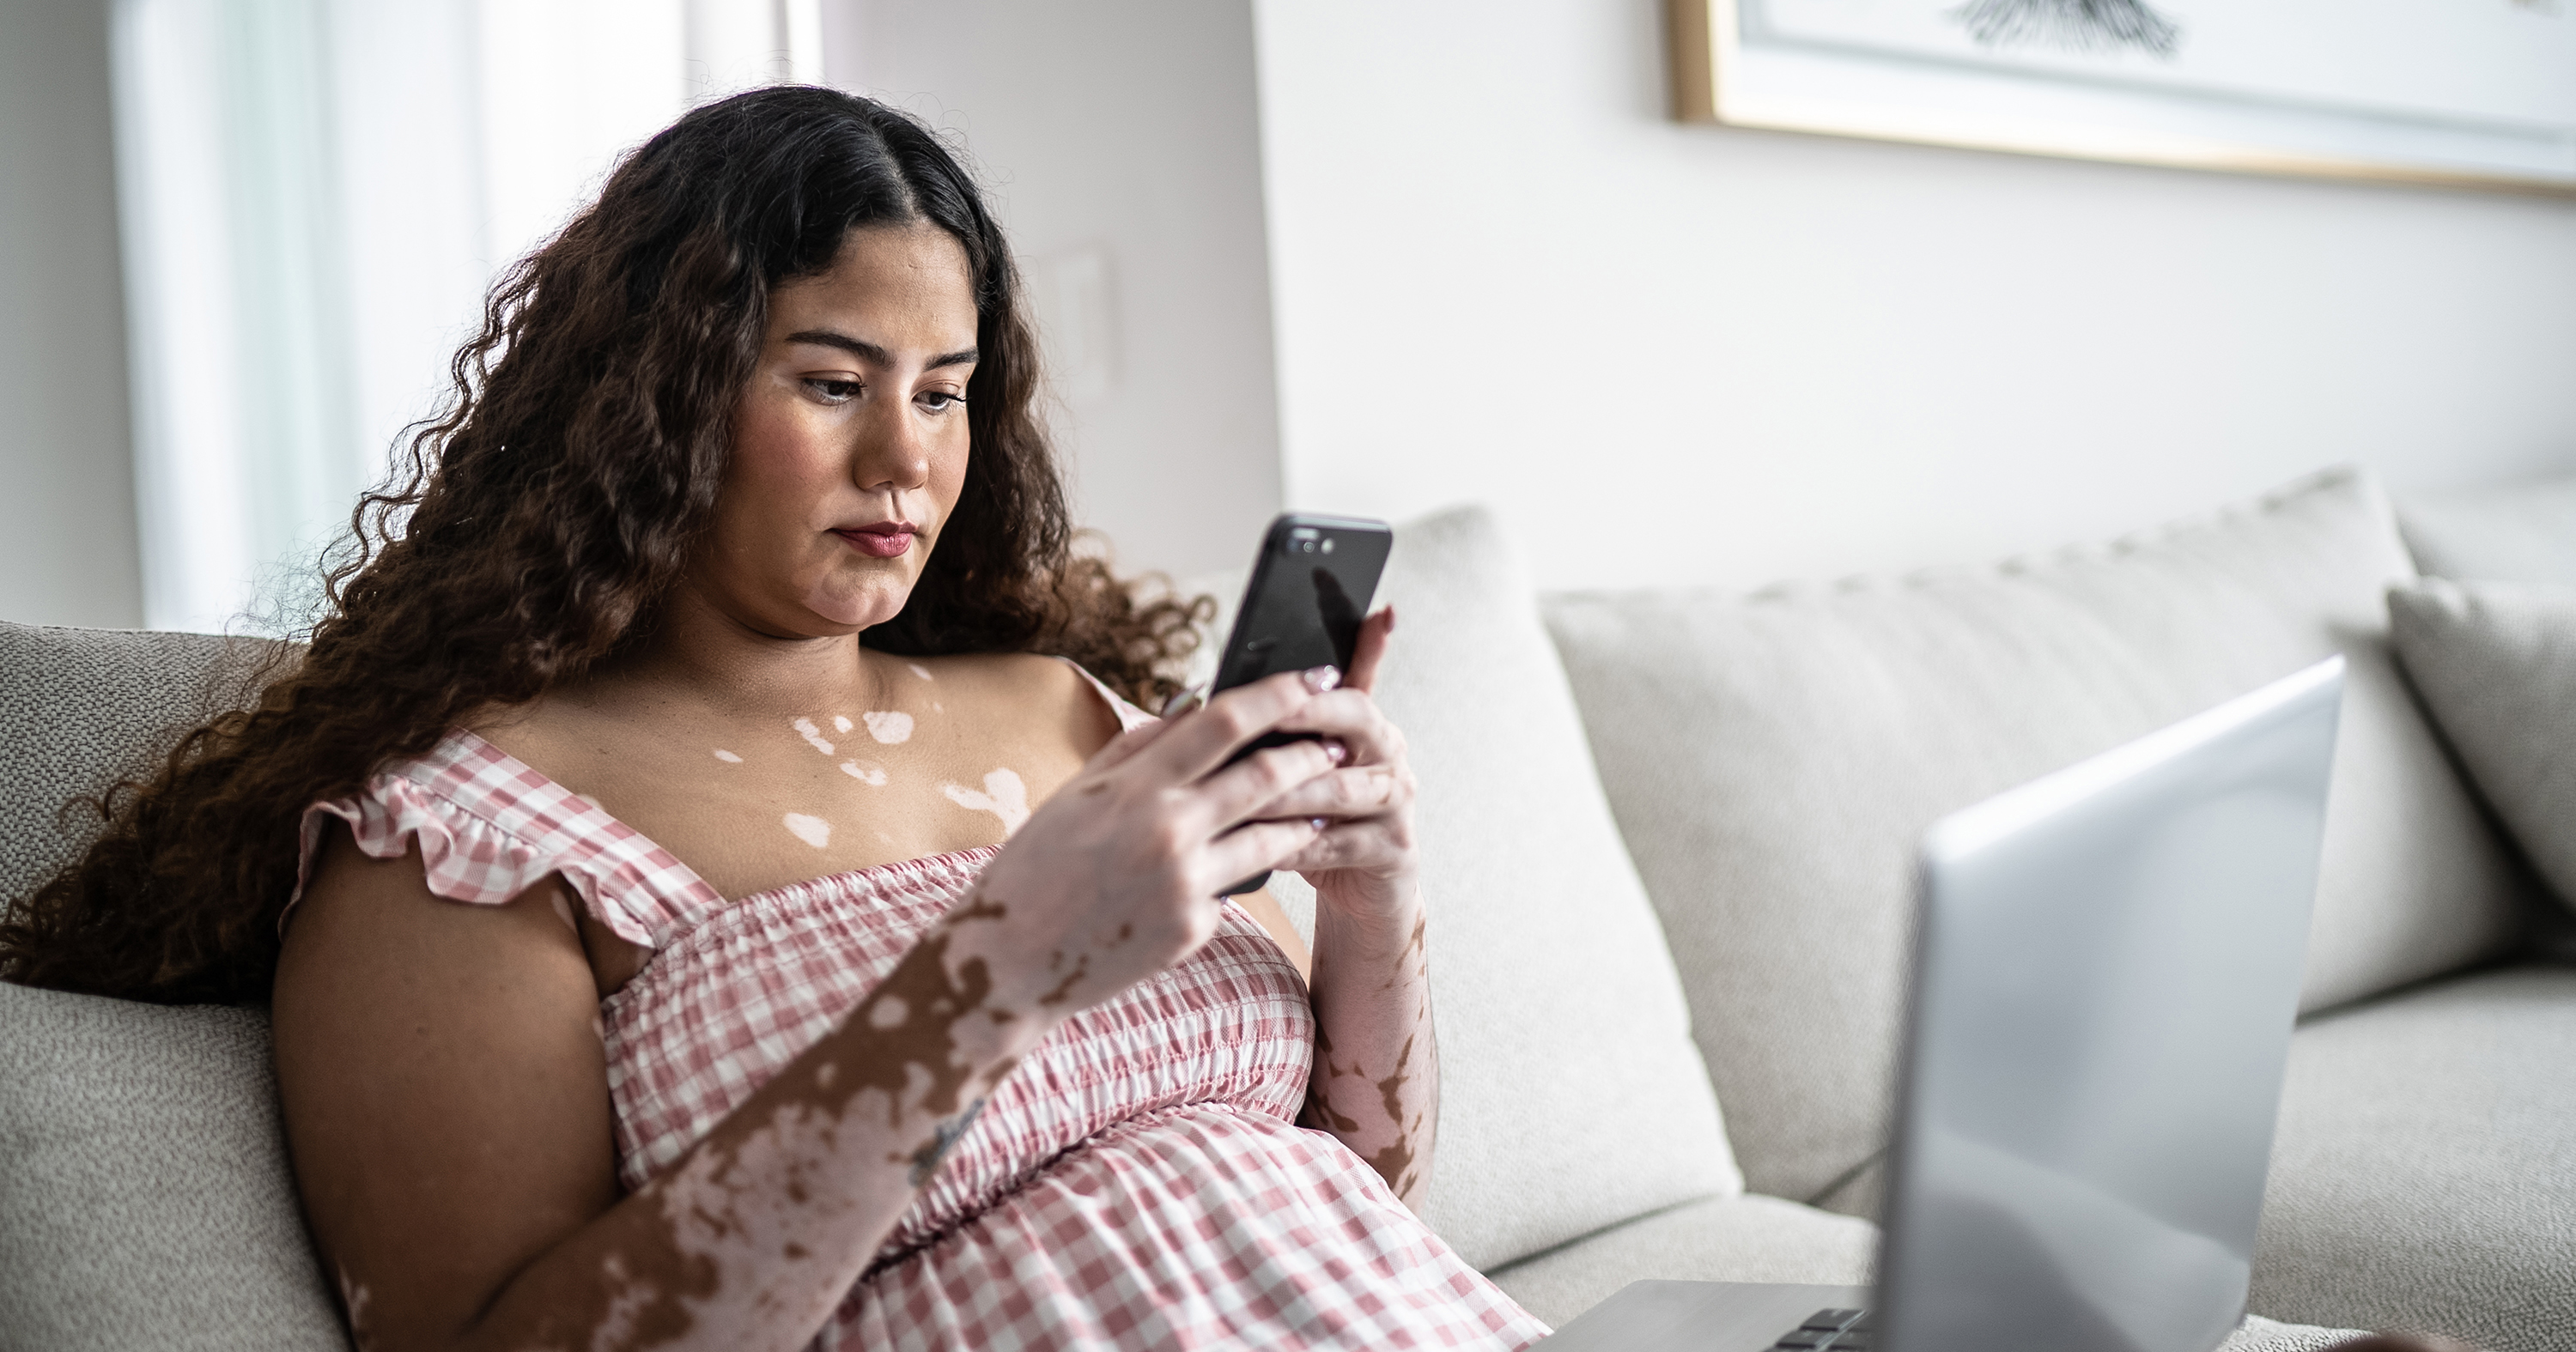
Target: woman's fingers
{"x": 1362, "y": 844}
{"x": 1200, "y": 741}
{"x": 1352, "y": 718}
{"x": 1236, "y": 793}
{"x": 1255, "y": 846}
{"x": 1370, "y": 652}
{"x": 1352, "y": 791}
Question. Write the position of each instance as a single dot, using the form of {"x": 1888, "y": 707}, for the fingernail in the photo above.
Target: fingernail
{"x": 1321, "y": 679}
{"x": 1390, "y": 619}
{"x": 1317, "y": 822}
{"x": 1336, "y": 752}
{"x": 1182, "y": 701}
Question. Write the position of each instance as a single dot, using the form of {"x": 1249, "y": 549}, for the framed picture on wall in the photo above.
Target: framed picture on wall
{"x": 2466, "y": 92}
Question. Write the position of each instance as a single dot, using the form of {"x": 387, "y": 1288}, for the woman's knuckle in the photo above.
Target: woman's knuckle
{"x": 1266, "y": 775}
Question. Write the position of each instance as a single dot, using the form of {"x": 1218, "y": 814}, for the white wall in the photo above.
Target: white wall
{"x": 1499, "y": 271}
{"x": 1670, "y": 351}
{"x": 1119, "y": 141}
{"x": 66, "y": 480}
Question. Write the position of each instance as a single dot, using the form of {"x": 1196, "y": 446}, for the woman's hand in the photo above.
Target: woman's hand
{"x": 1376, "y": 1078}
{"x": 1365, "y": 863}
{"x": 1116, "y": 877}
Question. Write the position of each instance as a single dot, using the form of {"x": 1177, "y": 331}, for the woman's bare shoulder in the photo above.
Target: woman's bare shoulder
{"x": 523, "y": 730}
{"x": 1027, "y": 672}
{"x": 1025, "y": 691}
{"x": 443, "y": 1085}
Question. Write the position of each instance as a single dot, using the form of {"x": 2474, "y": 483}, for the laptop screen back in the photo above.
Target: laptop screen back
{"x": 2107, "y": 969}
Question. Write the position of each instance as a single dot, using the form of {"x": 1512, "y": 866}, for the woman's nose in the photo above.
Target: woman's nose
{"x": 893, "y": 449}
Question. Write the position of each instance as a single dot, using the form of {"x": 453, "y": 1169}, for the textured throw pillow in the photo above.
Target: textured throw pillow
{"x": 1773, "y": 760}
{"x": 1570, "y": 1095}
{"x": 143, "y": 1185}
{"x": 144, "y": 1193}
{"x": 81, "y": 707}
{"x": 2496, "y": 664}
{"x": 2517, "y": 533}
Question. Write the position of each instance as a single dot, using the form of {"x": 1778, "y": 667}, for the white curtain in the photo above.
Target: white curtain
{"x": 316, "y": 194}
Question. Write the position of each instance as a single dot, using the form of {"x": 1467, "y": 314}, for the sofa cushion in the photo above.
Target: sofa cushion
{"x": 80, "y": 708}
{"x": 2517, "y": 533}
{"x": 145, "y": 1183}
{"x": 2421, "y": 1173}
{"x": 2496, "y": 665}
{"x": 1570, "y": 1095}
{"x": 1773, "y": 760}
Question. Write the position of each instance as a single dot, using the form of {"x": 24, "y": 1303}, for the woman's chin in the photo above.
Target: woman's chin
{"x": 857, "y": 608}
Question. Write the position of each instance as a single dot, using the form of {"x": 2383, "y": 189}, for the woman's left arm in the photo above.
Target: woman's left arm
{"x": 1376, "y": 1078}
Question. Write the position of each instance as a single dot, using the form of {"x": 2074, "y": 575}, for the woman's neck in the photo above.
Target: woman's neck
{"x": 702, "y": 654}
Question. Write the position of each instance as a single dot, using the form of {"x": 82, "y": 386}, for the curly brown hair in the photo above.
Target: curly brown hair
{"x": 534, "y": 529}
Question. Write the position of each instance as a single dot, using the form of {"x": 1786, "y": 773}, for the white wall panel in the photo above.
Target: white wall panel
{"x": 1119, "y": 141}
{"x": 1674, "y": 351}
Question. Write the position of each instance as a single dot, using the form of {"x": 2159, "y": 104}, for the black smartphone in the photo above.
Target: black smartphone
{"x": 1311, "y": 586}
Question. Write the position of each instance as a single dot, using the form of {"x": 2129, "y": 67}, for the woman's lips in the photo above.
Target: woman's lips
{"x": 881, "y": 542}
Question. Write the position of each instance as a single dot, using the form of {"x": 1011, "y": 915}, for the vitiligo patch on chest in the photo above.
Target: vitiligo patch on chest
{"x": 1004, "y": 795}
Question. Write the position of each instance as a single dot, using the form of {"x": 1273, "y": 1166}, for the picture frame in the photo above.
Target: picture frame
{"x": 2458, "y": 93}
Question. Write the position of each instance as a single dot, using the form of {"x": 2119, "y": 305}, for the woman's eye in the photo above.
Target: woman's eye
{"x": 833, "y": 391}
{"x": 940, "y": 401}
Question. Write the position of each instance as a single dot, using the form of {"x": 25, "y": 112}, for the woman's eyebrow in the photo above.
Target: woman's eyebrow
{"x": 866, "y": 351}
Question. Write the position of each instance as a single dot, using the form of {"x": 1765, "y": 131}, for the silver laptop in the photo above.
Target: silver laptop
{"x": 2106, "y": 969}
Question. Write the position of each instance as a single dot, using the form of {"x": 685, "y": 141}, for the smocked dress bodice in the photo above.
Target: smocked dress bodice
{"x": 1138, "y": 1181}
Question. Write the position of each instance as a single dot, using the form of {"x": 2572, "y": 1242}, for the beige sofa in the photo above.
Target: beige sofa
{"x": 1669, "y": 834}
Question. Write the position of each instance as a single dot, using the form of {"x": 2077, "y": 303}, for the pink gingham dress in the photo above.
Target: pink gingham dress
{"x": 1138, "y": 1182}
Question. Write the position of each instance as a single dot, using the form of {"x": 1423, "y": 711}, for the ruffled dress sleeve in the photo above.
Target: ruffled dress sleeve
{"x": 488, "y": 828}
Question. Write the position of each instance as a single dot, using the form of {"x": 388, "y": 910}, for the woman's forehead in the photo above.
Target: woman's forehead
{"x": 905, "y": 285}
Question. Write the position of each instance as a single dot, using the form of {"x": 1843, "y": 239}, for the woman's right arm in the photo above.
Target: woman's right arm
{"x": 446, "y": 1099}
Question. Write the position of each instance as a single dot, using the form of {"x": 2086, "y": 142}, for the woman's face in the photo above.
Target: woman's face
{"x": 850, "y": 442}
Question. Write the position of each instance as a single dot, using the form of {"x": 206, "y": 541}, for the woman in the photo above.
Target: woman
{"x": 654, "y": 971}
